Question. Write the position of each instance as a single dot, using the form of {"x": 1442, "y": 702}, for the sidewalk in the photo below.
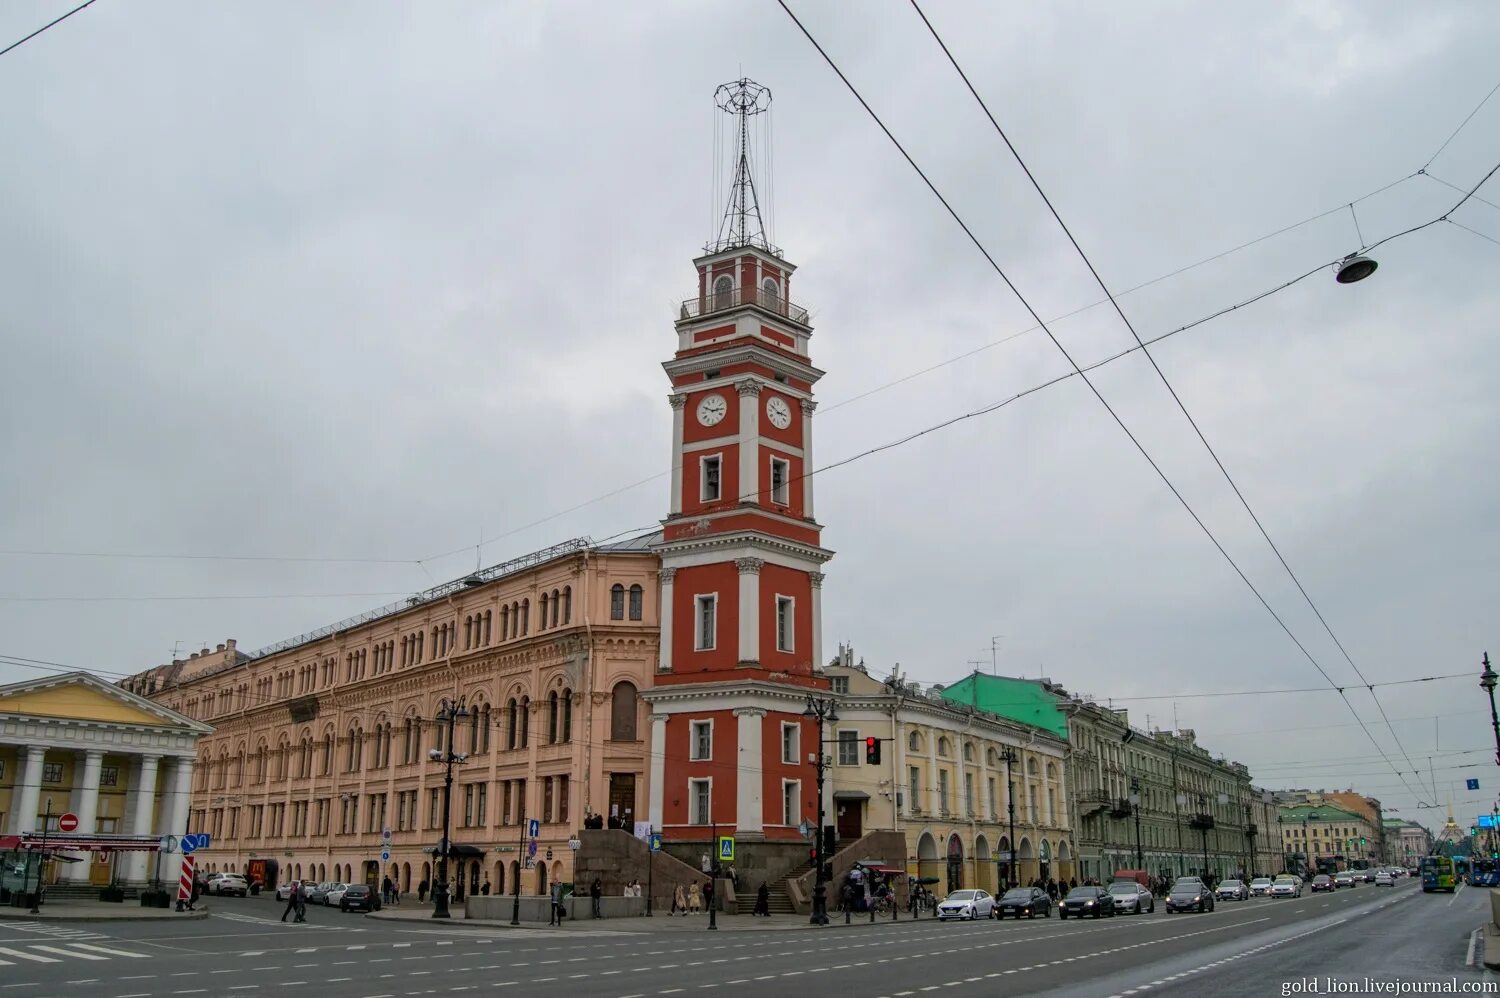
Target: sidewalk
{"x": 99, "y": 911}
{"x": 660, "y": 922}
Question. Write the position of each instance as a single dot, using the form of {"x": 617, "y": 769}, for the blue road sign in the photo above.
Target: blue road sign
{"x": 531, "y": 848}
{"x": 194, "y": 841}
{"x": 1473, "y": 784}
{"x": 726, "y": 848}
{"x": 534, "y": 828}
{"x": 385, "y": 855}
{"x": 1486, "y": 821}
{"x": 655, "y": 842}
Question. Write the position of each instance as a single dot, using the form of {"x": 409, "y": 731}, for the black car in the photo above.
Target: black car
{"x": 1083, "y": 901}
{"x": 1028, "y": 901}
{"x": 1190, "y": 894}
{"x": 360, "y": 897}
{"x": 1322, "y": 882}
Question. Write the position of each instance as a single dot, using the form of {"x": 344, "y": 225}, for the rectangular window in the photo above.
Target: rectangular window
{"x": 109, "y": 776}
{"x": 505, "y": 803}
{"x": 699, "y": 792}
{"x": 469, "y": 806}
{"x": 51, "y": 772}
{"x": 943, "y": 791}
{"x": 432, "y": 809}
{"x": 481, "y": 802}
{"x": 915, "y": 775}
{"x": 708, "y": 613}
{"x": 969, "y": 793}
{"x": 546, "y": 798}
{"x": 790, "y": 738}
{"x": 786, "y": 619}
{"x": 848, "y": 748}
{"x": 994, "y": 801}
{"x": 703, "y": 741}
{"x": 791, "y": 802}
{"x": 839, "y": 685}
{"x": 781, "y": 473}
{"x": 562, "y": 799}
{"x": 709, "y": 468}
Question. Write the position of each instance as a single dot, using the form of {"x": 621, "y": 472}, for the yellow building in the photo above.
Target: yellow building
{"x": 73, "y": 744}
{"x": 944, "y": 781}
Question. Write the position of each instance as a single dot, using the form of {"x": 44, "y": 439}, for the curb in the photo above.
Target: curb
{"x": 103, "y": 916}
{"x": 725, "y": 925}
{"x": 1490, "y": 942}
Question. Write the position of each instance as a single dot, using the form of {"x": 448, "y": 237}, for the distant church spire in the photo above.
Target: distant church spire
{"x": 742, "y": 223}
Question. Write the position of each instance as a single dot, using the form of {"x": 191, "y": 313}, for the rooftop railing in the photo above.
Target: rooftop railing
{"x": 723, "y": 301}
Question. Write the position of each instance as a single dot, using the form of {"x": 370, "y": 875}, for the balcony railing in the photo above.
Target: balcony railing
{"x": 723, "y": 301}
{"x": 1093, "y": 800}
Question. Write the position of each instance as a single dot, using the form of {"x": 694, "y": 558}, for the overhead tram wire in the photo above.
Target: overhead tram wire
{"x": 1461, "y": 126}
{"x": 1176, "y": 398}
{"x": 18, "y": 43}
{"x": 1092, "y": 388}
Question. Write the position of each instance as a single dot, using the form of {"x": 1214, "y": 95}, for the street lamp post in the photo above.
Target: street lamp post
{"x": 1487, "y": 680}
{"x": 1010, "y": 806}
{"x": 1307, "y": 842}
{"x": 36, "y": 899}
{"x": 1203, "y": 830}
{"x": 1135, "y": 805}
{"x": 449, "y": 712}
{"x": 820, "y": 711}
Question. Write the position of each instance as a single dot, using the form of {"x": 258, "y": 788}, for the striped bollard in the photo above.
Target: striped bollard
{"x": 185, "y": 881}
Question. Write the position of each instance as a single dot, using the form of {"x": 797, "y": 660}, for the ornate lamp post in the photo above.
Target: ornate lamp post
{"x": 1009, "y": 755}
{"x": 1487, "y": 683}
{"x": 821, "y": 711}
{"x": 449, "y": 712}
{"x": 1135, "y": 805}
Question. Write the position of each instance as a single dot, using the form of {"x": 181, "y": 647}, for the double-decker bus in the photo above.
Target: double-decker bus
{"x": 1438, "y": 874}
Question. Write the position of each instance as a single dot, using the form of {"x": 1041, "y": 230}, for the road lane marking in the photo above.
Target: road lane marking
{"x": 28, "y": 956}
{"x": 65, "y": 952}
{"x": 106, "y": 949}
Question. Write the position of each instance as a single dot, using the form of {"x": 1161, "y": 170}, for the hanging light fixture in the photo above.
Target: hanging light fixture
{"x": 1355, "y": 267}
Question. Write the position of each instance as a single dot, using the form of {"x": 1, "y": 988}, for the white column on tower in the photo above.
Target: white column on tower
{"x": 667, "y": 575}
{"x": 749, "y": 608}
{"x": 749, "y": 488}
{"x": 808, "y": 406}
{"x": 678, "y": 402}
{"x": 658, "y": 771}
{"x": 816, "y": 578}
{"x": 749, "y": 807}
{"x": 88, "y": 813}
{"x": 29, "y": 793}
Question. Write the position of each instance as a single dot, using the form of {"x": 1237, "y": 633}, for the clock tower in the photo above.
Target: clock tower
{"x": 741, "y": 555}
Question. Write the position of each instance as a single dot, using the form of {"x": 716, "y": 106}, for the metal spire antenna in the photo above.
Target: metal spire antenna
{"x": 742, "y": 224}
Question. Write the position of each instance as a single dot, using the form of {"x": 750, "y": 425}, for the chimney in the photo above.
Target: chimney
{"x": 219, "y": 649}
{"x": 229, "y": 643}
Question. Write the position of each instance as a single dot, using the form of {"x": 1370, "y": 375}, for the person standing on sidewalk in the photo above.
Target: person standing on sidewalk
{"x": 596, "y": 895}
{"x": 695, "y": 898}
{"x": 422, "y": 891}
{"x": 557, "y": 904}
{"x": 763, "y": 900}
{"x": 679, "y": 902}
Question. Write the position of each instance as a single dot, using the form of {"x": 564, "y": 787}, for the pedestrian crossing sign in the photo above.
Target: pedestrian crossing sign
{"x": 726, "y": 848}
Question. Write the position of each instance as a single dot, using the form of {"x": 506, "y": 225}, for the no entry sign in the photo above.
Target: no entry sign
{"x": 67, "y": 822}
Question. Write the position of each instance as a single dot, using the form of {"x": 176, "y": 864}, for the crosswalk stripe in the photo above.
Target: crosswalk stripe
{"x": 106, "y": 949}
{"x": 28, "y": 956}
{"x": 70, "y": 953}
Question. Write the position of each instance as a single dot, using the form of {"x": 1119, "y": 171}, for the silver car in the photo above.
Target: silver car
{"x": 1131, "y": 898}
{"x": 1232, "y": 890}
{"x": 966, "y": 904}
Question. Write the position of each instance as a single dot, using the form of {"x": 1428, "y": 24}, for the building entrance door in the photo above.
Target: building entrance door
{"x": 851, "y": 820}
{"x": 622, "y": 800}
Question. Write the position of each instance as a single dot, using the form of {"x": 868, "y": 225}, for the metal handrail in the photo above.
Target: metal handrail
{"x": 712, "y": 302}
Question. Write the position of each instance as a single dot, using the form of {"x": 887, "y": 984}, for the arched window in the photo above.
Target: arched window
{"x": 505, "y": 623}
{"x": 567, "y": 595}
{"x": 770, "y": 293}
{"x": 283, "y": 749}
{"x": 525, "y": 708}
{"x": 406, "y": 743}
{"x": 723, "y": 292}
{"x": 617, "y": 602}
{"x": 327, "y": 767}
{"x": 489, "y": 618}
{"x": 914, "y": 742}
{"x": 485, "y": 724}
{"x": 567, "y": 715}
{"x": 635, "y": 602}
{"x": 356, "y": 749}
{"x": 622, "y": 713}
{"x": 468, "y": 632}
{"x": 992, "y": 757}
{"x": 542, "y": 623}
{"x": 943, "y": 746}
{"x": 968, "y": 752}
{"x": 552, "y": 717}
{"x": 556, "y": 606}
{"x": 474, "y": 720}
{"x": 511, "y": 734}
{"x": 525, "y": 617}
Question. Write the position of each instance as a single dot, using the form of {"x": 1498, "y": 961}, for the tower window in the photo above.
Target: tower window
{"x": 698, "y": 794}
{"x": 785, "y": 622}
{"x": 791, "y": 803}
{"x": 636, "y": 596}
{"x": 770, "y": 292}
{"x": 711, "y": 485}
{"x": 790, "y": 740}
{"x": 723, "y": 292}
{"x": 703, "y": 741}
{"x": 781, "y": 474}
{"x": 617, "y": 602}
{"x": 708, "y": 622}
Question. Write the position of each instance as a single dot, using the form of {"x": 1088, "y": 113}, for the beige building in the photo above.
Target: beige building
{"x": 1325, "y": 838}
{"x": 944, "y": 782}
{"x": 119, "y": 763}
{"x": 322, "y": 741}
{"x": 1406, "y": 842}
{"x": 1265, "y": 826}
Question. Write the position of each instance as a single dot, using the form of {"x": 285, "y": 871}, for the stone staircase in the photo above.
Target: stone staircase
{"x": 777, "y": 898}
{"x": 84, "y": 892}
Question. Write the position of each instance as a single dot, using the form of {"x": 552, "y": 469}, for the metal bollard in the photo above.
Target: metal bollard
{"x": 846, "y": 913}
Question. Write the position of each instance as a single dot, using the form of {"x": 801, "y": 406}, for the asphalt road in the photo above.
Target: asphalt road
{"x": 1249, "y": 948}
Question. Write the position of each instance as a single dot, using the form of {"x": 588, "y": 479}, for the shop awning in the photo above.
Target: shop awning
{"x": 850, "y": 795}
{"x": 885, "y": 869}
{"x": 456, "y": 851}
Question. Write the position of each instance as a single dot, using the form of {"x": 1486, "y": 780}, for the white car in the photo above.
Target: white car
{"x": 1286, "y": 887}
{"x": 335, "y": 894}
{"x": 221, "y": 884}
{"x": 1260, "y": 887}
{"x": 966, "y": 904}
{"x": 1384, "y": 878}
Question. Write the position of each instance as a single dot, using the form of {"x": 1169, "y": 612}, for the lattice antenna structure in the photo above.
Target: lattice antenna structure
{"x": 742, "y": 223}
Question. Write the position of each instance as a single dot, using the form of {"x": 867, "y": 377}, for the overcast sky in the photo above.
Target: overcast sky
{"x": 366, "y": 280}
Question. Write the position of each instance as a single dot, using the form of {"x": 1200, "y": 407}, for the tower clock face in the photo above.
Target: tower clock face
{"x": 712, "y": 409}
{"x": 778, "y": 412}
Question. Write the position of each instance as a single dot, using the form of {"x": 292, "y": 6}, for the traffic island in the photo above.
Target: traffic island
{"x": 1492, "y": 932}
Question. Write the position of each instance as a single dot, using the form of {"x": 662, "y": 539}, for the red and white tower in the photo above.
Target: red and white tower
{"x": 741, "y": 558}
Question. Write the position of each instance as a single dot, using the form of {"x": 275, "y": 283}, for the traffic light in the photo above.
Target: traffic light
{"x": 1361, "y": 840}
{"x": 872, "y": 751}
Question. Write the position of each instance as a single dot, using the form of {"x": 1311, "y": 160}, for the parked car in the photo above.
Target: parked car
{"x": 1232, "y": 890}
{"x": 1360, "y": 876}
{"x": 1383, "y": 878}
{"x": 1131, "y": 897}
{"x": 1190, "y": 894}
{"x": 1322, "y": 882}
{"x": 318, "y": 893}
{"x": 1028, "y": 901}
{"x": 334, "y": 894}
{"x": 1260, "y": 887}
{"x": 1081, "y": 901}
{"x": 360, "y": 897}
{"x": 1286, "y": 887}
{"x": 221, "y": 884}
{"x": 1343, "y": 880}
{"x": 966, "y": 904}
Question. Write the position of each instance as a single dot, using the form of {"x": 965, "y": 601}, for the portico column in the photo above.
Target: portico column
{"x": 677, "y": 402}
{"x": 30, "y": 791}
{"x": 749, "y": 609}
{"x": 749, "y": 808}
{"x": 142, "y": 810}
{"x": 177, "y": 807}
{"x": 658, "y": 770}
{"x": 808, "y": 405}
{"x": 749, "y": 441}
{"x": 88, "y": 813}
{"x": 816, "y": 578}
{"x": 664, "y": 652}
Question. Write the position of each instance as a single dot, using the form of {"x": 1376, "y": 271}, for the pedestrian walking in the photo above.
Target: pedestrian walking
{"x": 679, "y": 902}
{"x": 293, "y": 898}
{"x": 194, "y": 893}
{"x": 557, "y": 904}
{"x": 695, "y": 898}
{"x": 485, "y": 890}
{"x": 596, "y": 897}
{"x": 762, "y": 901}
{"x": 422, "y": 891}
{"x": 708, "y": 895}
{"x": 385, "y": 890}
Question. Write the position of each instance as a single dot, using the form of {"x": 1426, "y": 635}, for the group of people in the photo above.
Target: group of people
{"x": 424, "y": 889}
{"x": 690, "y": 901}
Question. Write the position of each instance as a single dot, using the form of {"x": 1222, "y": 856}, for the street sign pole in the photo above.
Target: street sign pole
{"x": 650, "y": 868}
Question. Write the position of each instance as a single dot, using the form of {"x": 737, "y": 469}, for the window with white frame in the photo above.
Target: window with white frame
{"x": 786, "y": 621}
{"x": 702, "y": 741}
{"x": 791, "y": 802}
{"x": 705, "y": 635}
{"x": 838, "y": 684}
{"x": 699, "y": 795}
{"x": 710, "y": 483}
{"x": 781, "y": 475}
{"x": 915, "y": 776}
{"x": 848, "y": 748}
{"x": 790, "y": 740}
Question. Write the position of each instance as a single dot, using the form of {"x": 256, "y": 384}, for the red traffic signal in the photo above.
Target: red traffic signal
{"x": 872, "y": 751}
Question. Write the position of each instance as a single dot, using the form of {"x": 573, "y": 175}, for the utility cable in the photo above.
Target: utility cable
{"x": 1460, "y": 127}
{"x": 23, "y": 41}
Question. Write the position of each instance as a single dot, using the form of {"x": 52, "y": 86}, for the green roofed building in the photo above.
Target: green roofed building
{"x": 1028, "y": 701}
{"x": 1322, "y": 838}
